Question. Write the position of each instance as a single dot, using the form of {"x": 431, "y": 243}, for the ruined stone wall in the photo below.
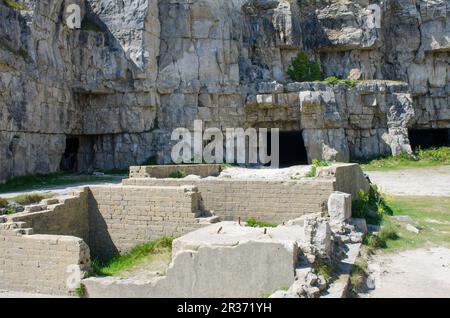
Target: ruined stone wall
{"x": 120, "y": 217}
{"x": 39, "y": 263}
{"x": 67, "y": 216}
{"x": 270, "y": 201}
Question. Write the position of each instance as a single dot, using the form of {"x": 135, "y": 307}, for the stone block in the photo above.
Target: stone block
{"x": 339, "y": 207}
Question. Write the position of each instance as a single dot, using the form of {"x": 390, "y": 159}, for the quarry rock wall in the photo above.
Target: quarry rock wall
{"x": 117, "y": 87}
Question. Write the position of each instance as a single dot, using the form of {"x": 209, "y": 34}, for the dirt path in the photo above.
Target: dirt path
{"x": 61, "y": 190}
{"x": 417, "y": 273}
{"x": 433, "y": 181}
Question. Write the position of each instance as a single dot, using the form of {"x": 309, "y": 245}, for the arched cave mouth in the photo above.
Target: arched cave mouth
{"x": 292, "y": 149}
{"x": 429, "y": 138}
{"x": 69, "y": 160}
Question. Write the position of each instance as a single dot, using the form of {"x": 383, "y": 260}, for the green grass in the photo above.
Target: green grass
{"x": 178, "y": 174}
{"x": 133, "y": 258}
{"x": 421, "y": 158}
{"x": 432, "y": 217}
{"x": 252, "y": 222}
{"x": 27, "y": 199}
{"x": 14, "y": 5}
{"x": 325, "y": 269}
{"x": 315, "y": 165}
{"x": 80, "y": 291}
{"x": 42, "y": 181}
{"x": 358, "y": 275}
{"x": 334, "y": 81}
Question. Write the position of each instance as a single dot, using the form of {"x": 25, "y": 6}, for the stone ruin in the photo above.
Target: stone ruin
{"x": 109, "y": 95}
{"x": 214, "y": 255}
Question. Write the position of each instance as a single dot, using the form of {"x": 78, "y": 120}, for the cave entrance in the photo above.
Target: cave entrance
{"x": 429, "y": 138}
{"x": 292, "y": 149}
{"x": 69, "y": 161}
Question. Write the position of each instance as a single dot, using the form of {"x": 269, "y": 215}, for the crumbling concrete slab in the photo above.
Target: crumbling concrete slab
{"x": 236, "y": 261}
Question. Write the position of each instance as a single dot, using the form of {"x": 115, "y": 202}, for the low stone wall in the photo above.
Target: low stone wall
{"x": 271, "y": 201}
{"x": 349, "y": 178}
{"x": 68, "y": 217}
{"x": 39, "y": 263}
{"x": 202, "y": 170}
{"x": 120, "y": 217}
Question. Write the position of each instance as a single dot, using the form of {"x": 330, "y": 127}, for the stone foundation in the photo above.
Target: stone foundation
{"x": 39, "y": 263}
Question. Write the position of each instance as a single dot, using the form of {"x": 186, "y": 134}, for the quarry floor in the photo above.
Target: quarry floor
{"x": 433, "y": 181}
{"x": 418, "y": 273}
{"x": 421, "y": 272}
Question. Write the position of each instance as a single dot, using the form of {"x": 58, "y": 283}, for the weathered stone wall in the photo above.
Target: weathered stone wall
{"x": 270, "y": 201}
{"x": 149, "y": 66}
{"x": 120, "y": 217}
{"x": 69, "y": 216}
{"x": 39, "y": 263}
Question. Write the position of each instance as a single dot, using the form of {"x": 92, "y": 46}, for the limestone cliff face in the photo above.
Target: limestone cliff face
{"x": 137, "y": 69}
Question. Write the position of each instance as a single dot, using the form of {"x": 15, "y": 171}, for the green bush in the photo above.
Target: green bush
{"x": 317, "y": 164}
{"x": 388, "y": 232}
{"x": 178, "y": 174}
{"x": 27, "y": 199}
{"x": 374, "y": 241}
{"x": 9, "y": 211}
{"x": 304, "y": 70}
{"x": 334, "y": 81}
{"x": 252, "y": 222}
{"x": 371, "y": 206}
{"x": 3, "y": 203}
{"x": 14, "y": 5}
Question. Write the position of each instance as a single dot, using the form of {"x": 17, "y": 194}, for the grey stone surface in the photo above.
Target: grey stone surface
{"x": 340, "y": 207}
{"x": 140, "y": 68}
{"x": 202, "y": 262}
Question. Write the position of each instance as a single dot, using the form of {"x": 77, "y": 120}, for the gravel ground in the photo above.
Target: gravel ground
{"x": 59, "y": 191}
{"x": 12, "y": 294}
{"x": 265, "y": 173}
{"x": 423, "y": 272}
{"x": 433, "y": 181}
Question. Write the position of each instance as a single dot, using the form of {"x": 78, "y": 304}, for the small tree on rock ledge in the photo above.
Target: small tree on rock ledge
{"x": 304, "y": 70}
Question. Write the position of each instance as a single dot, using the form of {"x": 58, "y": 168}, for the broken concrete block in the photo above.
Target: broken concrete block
{"x": 318, "y": 236}
{"x": 340, "y": 207}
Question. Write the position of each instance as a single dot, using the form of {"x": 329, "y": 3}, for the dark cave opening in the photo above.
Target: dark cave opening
{"x": 69, "y": 161}
{"x": 292, "y": 149}
{"x": 429, "y": 138}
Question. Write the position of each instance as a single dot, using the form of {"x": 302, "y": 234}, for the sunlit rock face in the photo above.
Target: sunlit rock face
{"x": 116, "y": 88}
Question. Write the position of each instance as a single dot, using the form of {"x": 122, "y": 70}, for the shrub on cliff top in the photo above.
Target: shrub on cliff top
{"x": 304, "y": 70}
{"x": 14, "y": 5}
